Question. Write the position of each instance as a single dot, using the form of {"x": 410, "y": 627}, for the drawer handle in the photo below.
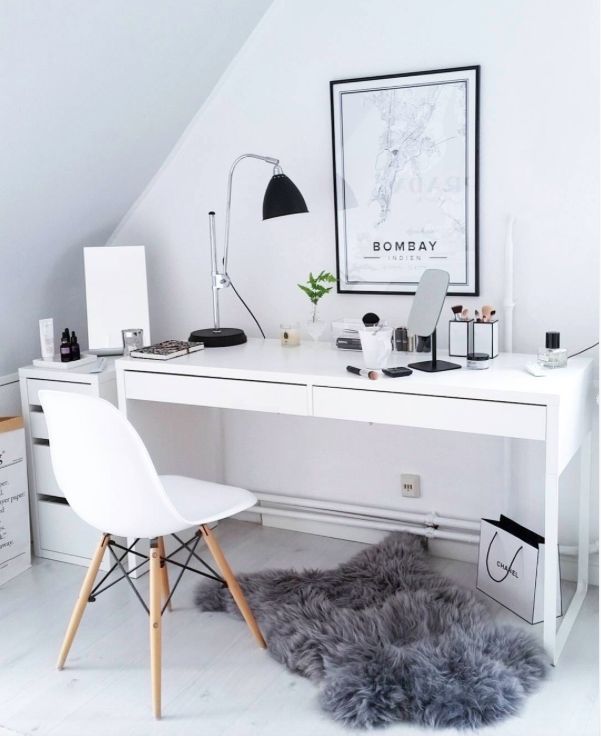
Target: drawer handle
{"x": 52, "y": 499}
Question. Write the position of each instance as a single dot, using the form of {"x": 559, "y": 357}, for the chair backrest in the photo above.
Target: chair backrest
{"x": 103, "y": 467}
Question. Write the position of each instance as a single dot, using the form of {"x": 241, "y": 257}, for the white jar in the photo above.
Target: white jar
{"x": 478, "y": 361}
{"x": 376, "y": 345}
{"x": 290, "y": 336}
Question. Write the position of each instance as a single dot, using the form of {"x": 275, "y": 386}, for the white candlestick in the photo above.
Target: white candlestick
{"x": 508, "y": 300}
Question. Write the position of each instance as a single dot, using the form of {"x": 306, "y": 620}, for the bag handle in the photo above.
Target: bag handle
{"x": 490, "y": 575}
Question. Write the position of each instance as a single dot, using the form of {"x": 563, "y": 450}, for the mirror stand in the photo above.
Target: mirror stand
{"x": 434, "y": 365}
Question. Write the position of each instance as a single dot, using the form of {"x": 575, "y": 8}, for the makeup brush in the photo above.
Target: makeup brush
{"x": 372, "y": 375}
{"x": 457, "y": 310}
{"x": 477, "y": 313}
{"x": 486, "y": 312}
{"x": 370, "y": 319}
{"x": 465, "y": 314}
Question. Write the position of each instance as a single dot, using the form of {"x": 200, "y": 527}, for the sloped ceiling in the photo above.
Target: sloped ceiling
{"x": 93, "y": 95}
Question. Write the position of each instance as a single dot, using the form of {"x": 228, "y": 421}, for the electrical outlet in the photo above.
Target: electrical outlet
{"x": 410, "y": 486}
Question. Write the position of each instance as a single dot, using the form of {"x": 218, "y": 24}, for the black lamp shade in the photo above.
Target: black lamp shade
{"x": 282, "y": 197}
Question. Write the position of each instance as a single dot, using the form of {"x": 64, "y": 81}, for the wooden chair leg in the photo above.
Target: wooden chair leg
{"x": 155, "y": 626}
{"x": 164, "y": 574}
{"x": 82, "y": 600}
{"x": 232, "y": 583}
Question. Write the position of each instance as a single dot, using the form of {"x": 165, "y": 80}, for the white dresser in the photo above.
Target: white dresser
{"x": 57, "y": 532}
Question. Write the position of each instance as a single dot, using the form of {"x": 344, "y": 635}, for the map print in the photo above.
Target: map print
{"x": 405, "y": 173}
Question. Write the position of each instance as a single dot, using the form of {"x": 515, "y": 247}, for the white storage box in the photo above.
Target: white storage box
{"x": 15, "y": 543}
{"x": 345, "y": 334}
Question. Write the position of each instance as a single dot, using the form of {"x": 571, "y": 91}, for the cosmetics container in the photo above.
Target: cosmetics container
{"x": 376, "y": 345}
{"x": 290, "y": 336}
{"x": 423, "y": 344}
{"x": 75, "y": 351}
{"x": 485, "y": 338}
{"x": 47, "y": 338}
{"x": 403, "y": 342}
{"x": 345, "y": 334}
{"x": 65, "y": 348}
{"x": 460, "y": 337}
{"x": 478, "y": 361}
{"x": 552, "y": 356}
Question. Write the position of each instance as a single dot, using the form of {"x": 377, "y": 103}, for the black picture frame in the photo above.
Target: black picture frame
{"x": 471, "y": 286}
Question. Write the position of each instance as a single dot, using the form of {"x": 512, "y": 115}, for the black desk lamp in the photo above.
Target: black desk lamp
{"x": 281, "y": 198}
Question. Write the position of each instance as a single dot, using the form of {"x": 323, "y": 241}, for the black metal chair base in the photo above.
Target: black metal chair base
{"x": 126, "y": 574}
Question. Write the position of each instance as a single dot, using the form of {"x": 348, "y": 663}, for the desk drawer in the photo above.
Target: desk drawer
{"x": 45, "y": 482}
{"x": 279, "y": 398}
{"x": 64, "y": 535}
{"x": 431, "y": 412}
{"x": 37, "y": 425}
{"x": 35, "y": 385}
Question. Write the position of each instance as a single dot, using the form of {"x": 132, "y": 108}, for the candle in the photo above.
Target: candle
{"x": 290, "y": 334}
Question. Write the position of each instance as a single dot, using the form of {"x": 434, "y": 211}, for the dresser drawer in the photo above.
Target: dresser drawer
{"x": 62, "y": 532}
{"x": 504, "y": 419}
{"x": 284, "y": 398}
{"x": 45, "y": 482}
{"x": 35, "y": 385}
{"x": 37, "y": 425}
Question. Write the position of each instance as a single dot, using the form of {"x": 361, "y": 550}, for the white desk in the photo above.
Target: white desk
{"x": 311, "y": 380}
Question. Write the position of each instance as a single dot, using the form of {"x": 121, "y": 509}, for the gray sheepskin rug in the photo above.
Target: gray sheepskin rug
{"x": 390, "y": 640}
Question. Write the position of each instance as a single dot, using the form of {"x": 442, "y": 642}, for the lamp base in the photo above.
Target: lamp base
{"x": 224, "y": 337}
{"x": 431, "y": 366}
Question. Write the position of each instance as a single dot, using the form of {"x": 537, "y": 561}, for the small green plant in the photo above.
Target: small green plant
{"x": 315, "y": 288}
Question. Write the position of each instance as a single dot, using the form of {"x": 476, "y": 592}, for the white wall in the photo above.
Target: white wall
{"x": 539, "y": 137}
{"x": 92, "y": 96}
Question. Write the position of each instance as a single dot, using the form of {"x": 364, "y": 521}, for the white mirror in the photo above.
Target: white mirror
{"x": 425, "y": 313}
{"x": 116, "y": 296}
{"x": 427, "y": 302}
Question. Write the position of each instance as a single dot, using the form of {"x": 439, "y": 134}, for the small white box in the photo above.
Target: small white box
{"x": 15, "y": 543}
{"x": 486, "y": 338}
{"x": 460, "y": 335}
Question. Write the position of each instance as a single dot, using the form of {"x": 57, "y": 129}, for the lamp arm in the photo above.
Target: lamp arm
{"x": 226, "y": 240}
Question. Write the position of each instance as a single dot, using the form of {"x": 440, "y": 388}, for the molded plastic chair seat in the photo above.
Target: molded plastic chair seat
{"x": 107, "y": 476}
{"x": 201, "y": 502}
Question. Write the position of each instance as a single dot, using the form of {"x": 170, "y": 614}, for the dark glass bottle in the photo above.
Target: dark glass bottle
{"x": 75, "y": 351}
{"x": 65, "y": 349}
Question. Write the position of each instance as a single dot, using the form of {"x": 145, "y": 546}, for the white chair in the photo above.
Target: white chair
{"x": 109, "y": 480}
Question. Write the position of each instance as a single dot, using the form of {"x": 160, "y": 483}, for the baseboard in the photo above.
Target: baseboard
{"x": 452, "y": 550}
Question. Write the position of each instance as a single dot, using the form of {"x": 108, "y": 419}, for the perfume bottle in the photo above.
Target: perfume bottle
{"x": 65, "y": 348}
{"x": 75, "y": 351}
{"x": 552, "y": 356}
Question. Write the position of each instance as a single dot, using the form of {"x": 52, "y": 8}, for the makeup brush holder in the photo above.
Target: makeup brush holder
{"x": 460, "y": 337}
{"x": 485, "y": 338}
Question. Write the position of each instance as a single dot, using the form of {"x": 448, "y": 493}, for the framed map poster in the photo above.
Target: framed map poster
{"x": 405, "y": 150}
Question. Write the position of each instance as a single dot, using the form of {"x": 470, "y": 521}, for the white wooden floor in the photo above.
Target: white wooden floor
{"x": 215, "y": 680}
